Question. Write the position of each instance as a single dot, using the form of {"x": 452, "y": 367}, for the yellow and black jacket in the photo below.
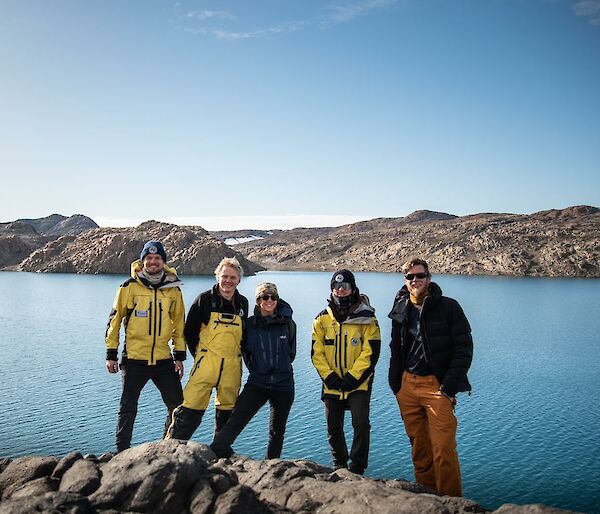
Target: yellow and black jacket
{"x": 346, "y": 352}
{"x": 152, "y": 316}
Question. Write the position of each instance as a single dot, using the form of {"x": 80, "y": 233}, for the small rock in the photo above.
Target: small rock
{"x": 82, "y": 477}
{"x": 240, "y": 500}
{"x": 55, "y": 502}
{"x": 65, "y": 463}
{"x": 36, "y": 487}
{"x": 23, "y": 470}
{"x": 202, "y": 497}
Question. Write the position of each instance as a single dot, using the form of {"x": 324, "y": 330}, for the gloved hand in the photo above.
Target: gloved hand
{"x": 333, "y": 381}
{"x": 349, "y": 383}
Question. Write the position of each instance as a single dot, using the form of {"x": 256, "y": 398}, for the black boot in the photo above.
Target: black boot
{"x": 221, "y": 417}
{"x": 184, "y": 424}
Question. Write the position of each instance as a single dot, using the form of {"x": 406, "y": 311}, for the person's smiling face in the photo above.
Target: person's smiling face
{"x": 228, "y": 279}
{"x": 153, "y": 263}
{"x": 417, "y": 280}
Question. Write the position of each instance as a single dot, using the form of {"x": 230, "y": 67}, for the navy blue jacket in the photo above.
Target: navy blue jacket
{"x": 269, "y": 348}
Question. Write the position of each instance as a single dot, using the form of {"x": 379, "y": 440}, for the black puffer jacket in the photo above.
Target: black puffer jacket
{"x": 447, "y": 336}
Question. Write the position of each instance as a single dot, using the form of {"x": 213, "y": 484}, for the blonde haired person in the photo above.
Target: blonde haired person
{"x": 213, "y": 333}
{"x": 269, "y": 349}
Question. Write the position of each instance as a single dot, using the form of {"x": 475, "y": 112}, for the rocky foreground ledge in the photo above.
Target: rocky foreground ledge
{"x": 177, "y": 477}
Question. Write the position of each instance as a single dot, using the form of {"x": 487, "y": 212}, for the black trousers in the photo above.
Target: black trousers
{"x": 135, "y": 375}
{"x": 358, "y": 404}
{"x": 251, "y": 399}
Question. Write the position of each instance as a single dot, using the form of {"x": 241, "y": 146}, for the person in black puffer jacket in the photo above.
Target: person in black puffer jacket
{"x": 431, "y": 352}
{"x": 268, "y": 349}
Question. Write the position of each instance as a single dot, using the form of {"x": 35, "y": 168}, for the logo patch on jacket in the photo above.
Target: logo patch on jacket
{"x": 141, "y": 314}
{"x": 282, "y": 337}
{"x": 355, "y": 341}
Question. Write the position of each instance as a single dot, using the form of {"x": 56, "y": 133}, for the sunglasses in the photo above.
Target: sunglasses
{"x": 412, "y": 276}
{"x": 267, "y": 296}
{"x": 342, "y": 285}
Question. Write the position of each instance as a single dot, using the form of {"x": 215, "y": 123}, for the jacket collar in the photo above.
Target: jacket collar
{"x": 171, "y": 278}
{"x": 402, "y": 301}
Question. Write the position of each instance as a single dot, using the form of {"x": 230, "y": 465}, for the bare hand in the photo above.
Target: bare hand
{"x": 179, "y": 369}
{"x": 112, "y": 366}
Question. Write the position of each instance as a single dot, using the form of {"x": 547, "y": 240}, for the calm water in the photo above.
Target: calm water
{"x": 529, "y": 433}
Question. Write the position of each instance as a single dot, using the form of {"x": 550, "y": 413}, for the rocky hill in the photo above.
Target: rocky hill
{"x": 564, "y": 243}
{"x": 57, "y": 225}
{"x": 172, "y": 476}
{"x": 192, "y": 250}
{"x": 18, "y": 239}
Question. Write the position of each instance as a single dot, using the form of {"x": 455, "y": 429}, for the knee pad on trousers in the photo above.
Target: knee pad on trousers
{"x": 184, "y": 423}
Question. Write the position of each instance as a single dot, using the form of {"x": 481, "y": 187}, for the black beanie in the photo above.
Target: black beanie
{"x": 153, "y": 247}
{"x": 343, "y": 275}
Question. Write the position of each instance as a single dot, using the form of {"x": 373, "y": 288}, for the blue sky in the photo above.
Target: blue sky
{"x": 283, "y": 113}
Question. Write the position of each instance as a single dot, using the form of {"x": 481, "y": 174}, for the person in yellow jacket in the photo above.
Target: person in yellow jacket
{"x": 150, "y": 306}
{"x": 213, "y": 332}
{"x": 345, "y": 348}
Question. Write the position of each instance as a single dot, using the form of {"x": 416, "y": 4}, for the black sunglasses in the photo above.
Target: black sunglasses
{"x": 412, "y": 276}
{"x": 267, "y": 296}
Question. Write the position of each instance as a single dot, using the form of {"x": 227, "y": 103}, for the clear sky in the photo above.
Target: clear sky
{"x": 240, "y": 113}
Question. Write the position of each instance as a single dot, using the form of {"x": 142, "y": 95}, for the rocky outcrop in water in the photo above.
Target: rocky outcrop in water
{"x": 172, "y": 476}
{"x": 563, "y": 243}
{"x": 191, "y": 250}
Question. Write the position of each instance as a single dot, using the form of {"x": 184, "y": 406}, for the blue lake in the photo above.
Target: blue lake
{"x": 529, "y": 433}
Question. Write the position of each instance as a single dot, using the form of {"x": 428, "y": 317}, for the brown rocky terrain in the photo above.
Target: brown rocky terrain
{"x": 563, "y": 243}
{"x": 18, "y": 239}
{"x": 192, "y": 250}
{"x": 173, "y": 476}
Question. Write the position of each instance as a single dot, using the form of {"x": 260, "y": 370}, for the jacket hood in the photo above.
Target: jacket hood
{"x": 171, "y": 278}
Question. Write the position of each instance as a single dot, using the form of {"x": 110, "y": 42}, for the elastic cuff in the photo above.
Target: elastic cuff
{"x": 112, "y": 355}
{"x": 179, "y": 356}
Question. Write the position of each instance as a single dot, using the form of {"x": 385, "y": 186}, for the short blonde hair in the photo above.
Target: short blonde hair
{"x": 230, "y": 262}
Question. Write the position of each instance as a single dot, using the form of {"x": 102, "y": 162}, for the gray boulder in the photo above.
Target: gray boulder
{"x": 82, "y": 477}
{"x": 51, "y": 503}
{"x": 23, "y": 470}
{"x": 302, "y": 486}
{"x": 241, "y": 500}
{"x": 154, "y": 477}
{"x": 36, "y": 487}
{"x": 65, "y": 463}
{"x": 202, "y": 497}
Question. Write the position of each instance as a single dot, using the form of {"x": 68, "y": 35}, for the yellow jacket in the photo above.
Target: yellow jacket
{"x": 151, "y": 316}
{"x": 347, "y": 351}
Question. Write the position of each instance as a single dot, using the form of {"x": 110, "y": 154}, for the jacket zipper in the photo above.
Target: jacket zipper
{"x": 160, "y": 318}
{"x": 154, "y": 327}
{"x": 345, "y": 352}
{"x": 220, "y": 372}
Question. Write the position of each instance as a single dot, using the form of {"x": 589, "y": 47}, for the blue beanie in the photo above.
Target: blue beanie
{"x": 153, "y": 247}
